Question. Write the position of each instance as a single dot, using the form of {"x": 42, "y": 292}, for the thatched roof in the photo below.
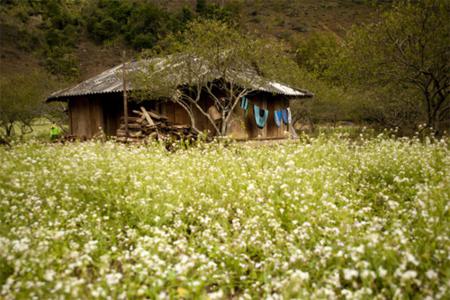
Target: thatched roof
{"x": 110, "y": 81}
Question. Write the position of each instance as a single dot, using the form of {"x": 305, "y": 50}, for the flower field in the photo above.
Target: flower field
{"x": 327, "y": 217}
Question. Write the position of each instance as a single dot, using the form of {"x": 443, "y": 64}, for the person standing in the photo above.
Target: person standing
{"x": 55, "y": 132}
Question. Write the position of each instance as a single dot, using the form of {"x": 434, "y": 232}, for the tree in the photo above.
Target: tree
{"x": 22, "y": 101}
{"x": 407, "y": 50}
{"x": 212, "y": 59}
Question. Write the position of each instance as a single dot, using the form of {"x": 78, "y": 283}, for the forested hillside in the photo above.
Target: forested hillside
{"x": 78, "y": 38}
{"x": 334, "y": 44}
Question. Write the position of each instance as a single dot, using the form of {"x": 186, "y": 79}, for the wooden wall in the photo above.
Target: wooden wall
{"x": 112, "y": 111}
{"x": 174, "y": 113}
{"x": 88, "y": 113}
{"x": 178, "y": 115}
{"x": 244, "y": 125}
{"x": 86, "y": 116}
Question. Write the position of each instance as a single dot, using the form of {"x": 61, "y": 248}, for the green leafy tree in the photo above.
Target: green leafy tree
{"x": 406, "y": 54}
{"x": 210, "y": 58}
{"x": 316, "y": 53}
{"x": 22, "y": 101}
{"x": 142, "y": 24}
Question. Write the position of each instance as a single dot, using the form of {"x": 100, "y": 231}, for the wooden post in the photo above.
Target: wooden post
{"x": 125, "y": 100}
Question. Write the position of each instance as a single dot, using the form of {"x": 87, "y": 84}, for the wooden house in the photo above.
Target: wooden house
{"x": 96, "y": 104}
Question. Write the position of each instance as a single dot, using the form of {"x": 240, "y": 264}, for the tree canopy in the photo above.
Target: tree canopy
{"x": 211, "y": 56}
{"x": 406, "y": 54}
{"x": 22, "y": 101}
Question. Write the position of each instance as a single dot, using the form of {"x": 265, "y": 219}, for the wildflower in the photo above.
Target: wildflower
{"x": 49, "y": 275}
{"x": 431, "y": 274}
{"x": 113, "y": 278}
{"x": 302, "y": 276}
{"x": 349, "y": 274}
{"x": 408, "y": 275}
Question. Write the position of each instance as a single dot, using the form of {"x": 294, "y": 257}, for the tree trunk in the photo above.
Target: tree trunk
{"x": 224, "y": 125}
{"x": 9, "y": 129}
{"x": 191, "y": 115}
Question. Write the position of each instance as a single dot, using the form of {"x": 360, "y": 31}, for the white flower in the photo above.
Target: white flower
{"x": 20, "y": 245}
{"x": 113, "y": 278}
{"x": 382, "y": 272}
{"x": 49, "y": 275}
{"x": 410, "y": 274}
{"x": 412, "y": 259}
{"x": 302, "y": 276}
{"x": 349, "y": 274}
{"x": 290, "y": 163}
{"x": 90, "y": 246}
{"x": 431, "y": 274}
{"x": 216, "y": 295}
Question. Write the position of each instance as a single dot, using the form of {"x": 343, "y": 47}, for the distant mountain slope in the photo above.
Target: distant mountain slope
{"x": 22, "y": 28}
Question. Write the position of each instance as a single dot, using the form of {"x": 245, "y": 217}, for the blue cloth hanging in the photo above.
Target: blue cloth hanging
{"x": 285, "y": 115}
{"x": 244, "y": 103}
{"x": 278, "y": 117}
{"x": 261, "y": 116}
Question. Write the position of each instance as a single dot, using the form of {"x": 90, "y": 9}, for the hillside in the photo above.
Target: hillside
{"x": 26, "y": 30}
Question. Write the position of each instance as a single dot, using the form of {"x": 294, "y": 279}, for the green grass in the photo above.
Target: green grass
{"x": 319, "y": 218}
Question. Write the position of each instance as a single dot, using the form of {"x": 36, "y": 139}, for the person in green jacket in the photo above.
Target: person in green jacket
{"x": 55, "y": 132}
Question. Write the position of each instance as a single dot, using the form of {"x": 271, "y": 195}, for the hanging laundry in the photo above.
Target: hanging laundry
{"x": 261, "y": 115}
{"x": 278, "y": 116}
{"x": 244, "y": 103}
{"x": 289, "y": 115}
{"x": 285, "y": 116}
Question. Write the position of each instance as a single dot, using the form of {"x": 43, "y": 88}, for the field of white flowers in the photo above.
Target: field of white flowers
{"x": 326, "y": 217}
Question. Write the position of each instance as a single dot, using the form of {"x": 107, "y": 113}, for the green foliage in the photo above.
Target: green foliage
{"x": 139, "y": 23}
{"x": 22, "y": 101}
{"x": 405, "y": 55}
{"x": 142, "y": 24}
{"x": 54, "y": 28}
{"x": 394, "y": 72}
{"x": 227, "y": 12}
{"x": 211, "y": 56}
{"x": 50, "y": 28}
{"x": 324, "y": 217}
{"x": 316, "y": 54}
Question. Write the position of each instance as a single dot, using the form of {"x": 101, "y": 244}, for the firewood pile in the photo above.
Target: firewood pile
{"x": 144, "y": 125}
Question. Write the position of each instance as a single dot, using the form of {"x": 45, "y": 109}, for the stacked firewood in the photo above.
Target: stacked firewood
{"x": 144, "y": 125}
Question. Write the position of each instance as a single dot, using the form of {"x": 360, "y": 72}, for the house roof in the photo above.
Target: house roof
{"x": 110, "y": 81}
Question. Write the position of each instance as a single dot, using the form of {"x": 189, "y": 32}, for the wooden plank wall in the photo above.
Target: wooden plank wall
{"x": 96, "y": 116}
{"x": 244, "y": 125}
{"x": 250, "y": 123}
{"x": 276, "y": 103}
{"x": 202, "y": 122}
{"x": 112, "y": 111}
{"x": 87, "y": 114}
{"x": 79, "y": 112}
{"x": 86, "y": 117}
{"x": 175, "y": 113}
{"x": 237, "y": 127}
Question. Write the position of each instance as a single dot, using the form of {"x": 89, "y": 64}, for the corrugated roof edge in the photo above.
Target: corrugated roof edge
{"x": 306, "y": 94}
{"x": 108, "y": 82}
{"x": 60, "y": 97}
